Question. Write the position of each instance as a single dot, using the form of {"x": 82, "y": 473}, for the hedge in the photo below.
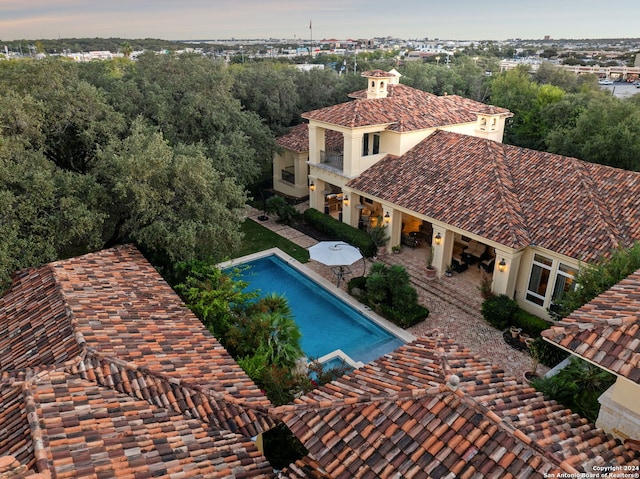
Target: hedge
{"x": 502, "y": 312}
{"x": 340, "y": 231}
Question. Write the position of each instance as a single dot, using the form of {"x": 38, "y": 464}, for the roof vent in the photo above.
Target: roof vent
{"x": 453, "y": 381}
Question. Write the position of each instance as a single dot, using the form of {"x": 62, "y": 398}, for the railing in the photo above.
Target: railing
{"x": 335, "y": 159}
{"x": 288, "y": 175}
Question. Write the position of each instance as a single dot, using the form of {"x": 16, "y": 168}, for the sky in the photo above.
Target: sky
{"x": 340, "y": 19}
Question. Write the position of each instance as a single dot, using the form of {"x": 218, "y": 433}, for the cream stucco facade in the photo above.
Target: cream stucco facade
{"x": 362, "y": 147}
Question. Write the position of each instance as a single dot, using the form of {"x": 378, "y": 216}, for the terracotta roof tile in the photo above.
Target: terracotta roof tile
{"x": 398, "y": 110}
{"x": 511, "y": 195}
{"x": 606, "y": 331}
{"x": 39, "y": 332}
{"x": 296, "y": 139}
{"x": 106, "y": 373}
{"x": 489, "y": 425}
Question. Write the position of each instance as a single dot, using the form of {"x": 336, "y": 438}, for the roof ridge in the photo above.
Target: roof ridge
{"x": 506, "y": 192}
{"x": 39, "y": 449}
{"x": 598, "y": 202}
{"x": 176, "y": 394}
{"x": 360, "y": 399}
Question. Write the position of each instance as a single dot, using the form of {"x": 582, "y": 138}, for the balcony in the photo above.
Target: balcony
{"x": 334, "y": 159}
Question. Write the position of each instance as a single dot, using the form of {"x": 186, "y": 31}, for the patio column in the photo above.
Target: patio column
{"x": 504, "y": 282}
{"x": 395, "y": 225}
{"x": 316, "y": 143}
{"x": 442, "y": 251}
{"x": 349, "y": 210}
{"x": 316, "y": 197}
{"x": 352, "y": 152}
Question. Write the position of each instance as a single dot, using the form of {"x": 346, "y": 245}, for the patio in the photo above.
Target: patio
{"x": 454, "y": 302}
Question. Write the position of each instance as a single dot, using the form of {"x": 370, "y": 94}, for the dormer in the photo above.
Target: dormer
{"x": 378, "y": 82}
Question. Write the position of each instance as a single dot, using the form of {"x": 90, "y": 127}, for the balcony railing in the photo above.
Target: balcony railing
{"x": 288, "y": 175}
{"x": 335, "y": 159}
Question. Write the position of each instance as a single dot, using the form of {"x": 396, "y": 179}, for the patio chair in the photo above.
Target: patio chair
{"x": 475, "y": 251}
{"x": 458, "y": 264}
{"x": 487, "y": 265}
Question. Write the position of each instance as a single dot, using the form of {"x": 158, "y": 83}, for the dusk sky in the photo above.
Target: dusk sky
{"x": 341, "y": 19}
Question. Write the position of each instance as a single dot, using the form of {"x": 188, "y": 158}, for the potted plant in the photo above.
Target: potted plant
{"x": 449, "y": 271}
{"x": 431, "y": 270}
{"x": 515, "y": 331}
{"x": 396, "y": 249}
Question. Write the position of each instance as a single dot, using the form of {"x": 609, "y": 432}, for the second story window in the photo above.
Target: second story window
{"x": 370, "y": 144}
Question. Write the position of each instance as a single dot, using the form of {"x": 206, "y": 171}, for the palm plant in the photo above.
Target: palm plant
{"x": 283, "y": 341}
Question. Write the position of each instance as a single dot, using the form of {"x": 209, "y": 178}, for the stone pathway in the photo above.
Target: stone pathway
{"x": 454, "y": 302}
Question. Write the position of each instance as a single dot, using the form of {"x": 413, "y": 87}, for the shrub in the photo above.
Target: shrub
{"x": 547, "y": 353}
{"x": 529, "y": 323}
{"x": 340, "y": 231}
{"x": 286, "y": 213}
{"x": 359, "y": 282}
{"x": 578, "y": 387}
{"x": 406, "y": 317}
{"x": 388, "y": 291}
{"x": 499, "y": 311}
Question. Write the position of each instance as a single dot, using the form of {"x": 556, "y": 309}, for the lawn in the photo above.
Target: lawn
{"x": 258, "y": 238}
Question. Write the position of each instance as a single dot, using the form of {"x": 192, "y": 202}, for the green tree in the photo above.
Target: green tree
{"x": 598, "y": 128}
{"x": 126, "y": 49}
{"x": 594, "y": 279}
{"x": 188, "y": 97}
{"x": 47, "y": 213}
{"x": 170, "y": 201}
{"x": 269, "y": 90}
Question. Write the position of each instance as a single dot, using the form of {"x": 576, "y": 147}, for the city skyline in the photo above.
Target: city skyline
{"x": 224, "y": 19}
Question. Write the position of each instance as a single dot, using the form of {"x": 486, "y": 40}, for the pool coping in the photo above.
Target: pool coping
{"x": 331, "y": 288}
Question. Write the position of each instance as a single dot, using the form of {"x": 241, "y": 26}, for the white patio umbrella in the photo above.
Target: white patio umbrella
{"x": 335, "y": 253}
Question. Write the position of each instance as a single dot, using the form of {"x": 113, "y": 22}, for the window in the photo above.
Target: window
{"x": 565, "y": 281}
{"x": 376, "y": 143}
{"x": 539, "y": 279}
{"x": 370, "y": 140}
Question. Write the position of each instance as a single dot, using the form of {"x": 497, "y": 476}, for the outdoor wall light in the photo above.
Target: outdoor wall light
{"x": 438, "y": 238}
{"x": 312, "y": 186}
{"x": 387, "y": 218}
{"x": 502, "y": 265}
{"x": 345, "y": 200}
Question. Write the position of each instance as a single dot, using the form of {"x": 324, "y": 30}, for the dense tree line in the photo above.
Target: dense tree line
{"x": 570, "y": 115}
{"x": 161, "y": 152}
{"x": 156, "y": 152}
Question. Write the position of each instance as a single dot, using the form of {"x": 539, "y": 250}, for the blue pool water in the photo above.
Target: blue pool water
{"x": 327, "y": 323}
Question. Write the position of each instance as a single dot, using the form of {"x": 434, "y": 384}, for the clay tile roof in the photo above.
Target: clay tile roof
{"x": 377, "y": 74}
{"x": 398, "y": 110}
{"x": 606, "y": 330}
{"x": 511, "y": 195}
{"x": 432, "y": 409}
{"x": 297, "y": 139}
{"x": 25, "y": 343}
{"x": 104, "y": 368}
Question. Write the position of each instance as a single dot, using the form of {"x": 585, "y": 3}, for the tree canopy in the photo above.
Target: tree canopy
{"x": 156, "y": 152}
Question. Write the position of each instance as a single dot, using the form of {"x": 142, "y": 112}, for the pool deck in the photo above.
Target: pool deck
{"x": 454, "y": 302}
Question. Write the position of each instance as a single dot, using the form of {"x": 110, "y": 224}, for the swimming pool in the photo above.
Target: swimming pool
{"x": 329, "y": 325}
